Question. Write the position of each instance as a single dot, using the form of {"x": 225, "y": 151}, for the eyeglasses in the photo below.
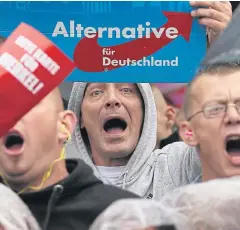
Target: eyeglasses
{"x": 216, "y": 109}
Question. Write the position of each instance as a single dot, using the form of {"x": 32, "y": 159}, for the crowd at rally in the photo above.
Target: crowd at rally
{"x": 118, "y": 156}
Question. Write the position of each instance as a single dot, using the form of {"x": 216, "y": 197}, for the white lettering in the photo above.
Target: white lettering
{"x": 172, "y": 32}
{"x": 174, "y": 62}
{"x": 137, "y": 31}
{"x": 72, "y": 31}
{"x": 111, "y": 30}
{"x": 140, "y": 30}
{"x": 101, "y": 30}
{"x": 159, "y": 33}
{"x": 79, "y": 29}
{"x": 90, "y": 32}
{"x": 31, "y": 82}
{"x": 131, "y": 30}
{"x": 60, "y": 29}
{"x": 148, "y": 30}
{"x": 46, "y": 61}
{"x": 38, "y": 88}
{"x": 29, "y": 62}
{"x": 17, "y": 70}
{"x": 114, "y": 62}
{"x": 26, "y": 44}
{"x": 142, "y": 62}
{"x": 106, "y": 61}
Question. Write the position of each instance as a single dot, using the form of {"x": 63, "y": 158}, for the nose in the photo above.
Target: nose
{"x": 112, "y": 101}
{"x": 232, "y": 115}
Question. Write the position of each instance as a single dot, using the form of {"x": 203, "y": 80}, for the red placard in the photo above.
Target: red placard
{"x": 31, "y": 66}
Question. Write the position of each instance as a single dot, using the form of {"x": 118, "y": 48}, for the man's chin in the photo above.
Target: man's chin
{"x": 231, "y": 172}
{"x": 118, "y": 153}
{"x": 16, "y": 175}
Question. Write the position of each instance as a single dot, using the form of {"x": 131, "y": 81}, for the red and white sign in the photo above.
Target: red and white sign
{"x": 31, "y": 66}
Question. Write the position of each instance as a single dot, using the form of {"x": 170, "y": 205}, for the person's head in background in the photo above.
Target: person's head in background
{"x": 212, "y": 205}
{"x": 212, "y": 111}
{"x": 14, "y": 214}
{"x": 170, "y": 103}
{"x": 164, "y": 227}
{"x": 134, "y": 214}
{"x": 180, "y": 117}
{"x": 165, "y": 115}
{"x": 35, "y": 145}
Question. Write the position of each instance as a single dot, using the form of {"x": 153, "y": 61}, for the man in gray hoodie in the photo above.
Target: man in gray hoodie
{"x": 117, "y": 126}
{"x": 116, "y": 136}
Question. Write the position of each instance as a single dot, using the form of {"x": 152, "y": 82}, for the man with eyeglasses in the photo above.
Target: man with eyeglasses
{"x": 212, "y": 109}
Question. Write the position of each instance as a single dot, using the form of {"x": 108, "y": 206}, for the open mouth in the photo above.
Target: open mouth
{"x": 115, "y": 126}
{"x": 13, "y": 141}
{"x": 233, "y": 145}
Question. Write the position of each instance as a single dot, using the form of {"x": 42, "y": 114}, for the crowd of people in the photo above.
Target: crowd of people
{"x": 118, "y": 156}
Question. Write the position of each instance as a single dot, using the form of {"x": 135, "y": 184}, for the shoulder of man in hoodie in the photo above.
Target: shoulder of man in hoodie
{"x": 181, "y": 161}
{"x": 74, "y": 202}
{"x": 166, "y": 169}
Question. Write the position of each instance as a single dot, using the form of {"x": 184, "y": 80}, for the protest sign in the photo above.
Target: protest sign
{"x": 117, "y": 41}
{"x": 30, "y": 67}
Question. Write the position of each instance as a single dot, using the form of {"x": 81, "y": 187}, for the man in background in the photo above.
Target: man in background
{"x": 165, "y": 116}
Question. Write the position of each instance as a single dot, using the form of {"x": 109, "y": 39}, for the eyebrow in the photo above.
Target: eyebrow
{"x": 221, "y": 100}
{"x": 92, "y": 85}
{"x": 236, "y": 99}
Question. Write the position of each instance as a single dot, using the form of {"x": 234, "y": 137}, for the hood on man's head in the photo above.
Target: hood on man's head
{"x": 147, "y": 140}
{"x": 14, "y": 214}
{"x": 226, "y": 49}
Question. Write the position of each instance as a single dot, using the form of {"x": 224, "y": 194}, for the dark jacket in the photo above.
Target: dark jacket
{"x": 75, "y": 202}
{"x": 174, "y": 137}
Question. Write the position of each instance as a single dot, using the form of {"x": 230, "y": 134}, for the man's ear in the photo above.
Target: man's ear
{"x": 187, "y": 134}
{"x": 68, "y": 121}
{"x": 170, "y": 113}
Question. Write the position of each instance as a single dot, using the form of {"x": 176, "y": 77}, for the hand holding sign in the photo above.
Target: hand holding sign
{"x": 215, "y": 15}
{"x": 30, "y": 67}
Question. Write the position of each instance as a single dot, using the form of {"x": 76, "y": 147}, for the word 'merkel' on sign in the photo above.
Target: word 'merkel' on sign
{"x": 139, "y": 31}
{"x": 24, "y": 68}
{"x": 21, "y": 73}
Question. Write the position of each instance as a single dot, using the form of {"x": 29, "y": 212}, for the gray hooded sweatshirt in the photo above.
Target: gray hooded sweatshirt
{"x": 14, "y": 214}
{"x": 149, "y": 173}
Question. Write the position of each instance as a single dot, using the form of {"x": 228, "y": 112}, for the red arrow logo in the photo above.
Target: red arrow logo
{"x": 88, "y": 55}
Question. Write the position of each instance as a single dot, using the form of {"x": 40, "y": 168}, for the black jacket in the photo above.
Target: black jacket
{"x": 75, "y": 202}
{"x": 174, "y": 137}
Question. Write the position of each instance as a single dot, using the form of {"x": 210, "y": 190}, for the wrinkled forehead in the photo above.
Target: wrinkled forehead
{"x": 114, "y": 85}
{"x": 216, "y": 88}
{"x": 98, "y": 85}
{"x": 90, "y": 86}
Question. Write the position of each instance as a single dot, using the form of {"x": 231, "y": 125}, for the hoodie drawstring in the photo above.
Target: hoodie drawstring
{"x": 57, "y": 191}
{"x": 124, "y": 179}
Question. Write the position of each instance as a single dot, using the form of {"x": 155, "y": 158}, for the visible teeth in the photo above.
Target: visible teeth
{"x": 234, "y": 138}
